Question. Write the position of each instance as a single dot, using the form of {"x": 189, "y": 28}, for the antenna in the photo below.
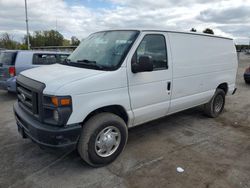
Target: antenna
{"x": 249, "y": 46}
{"x": 27, "y": 25}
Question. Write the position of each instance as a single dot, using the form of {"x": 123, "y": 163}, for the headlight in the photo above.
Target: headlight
{"x": 55, "y": 115}
{"x": 57, "y": 109}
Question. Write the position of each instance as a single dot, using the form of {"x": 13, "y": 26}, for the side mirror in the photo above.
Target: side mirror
{"x": 145, "y": 65}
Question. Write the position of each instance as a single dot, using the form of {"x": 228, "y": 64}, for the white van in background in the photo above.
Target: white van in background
{"x": 119, "y": 79}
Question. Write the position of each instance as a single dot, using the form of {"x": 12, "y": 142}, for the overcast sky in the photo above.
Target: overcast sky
{"x": 229, "y": 18}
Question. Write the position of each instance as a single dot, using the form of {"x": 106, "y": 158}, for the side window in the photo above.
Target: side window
{"x": 44, "y": 59}
{"x": 153, "y": 46}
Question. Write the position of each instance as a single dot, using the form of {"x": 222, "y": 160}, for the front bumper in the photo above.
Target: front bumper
{"x": 46, "y": 135}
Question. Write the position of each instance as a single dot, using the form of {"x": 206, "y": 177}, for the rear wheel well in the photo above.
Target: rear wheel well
{"x": 115, "y": 109}
{"x": 224, "y": 87}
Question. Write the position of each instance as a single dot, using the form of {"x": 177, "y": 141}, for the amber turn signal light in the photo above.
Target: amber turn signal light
{"x": 65, "y": 102}
{"x": 60, "y": 101}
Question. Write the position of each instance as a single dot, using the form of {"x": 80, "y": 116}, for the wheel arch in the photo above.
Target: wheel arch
{"x": 224, "y": 87}
{"x": 115, "y": 109}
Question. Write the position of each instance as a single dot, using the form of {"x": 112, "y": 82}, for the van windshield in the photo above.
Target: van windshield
{"x": 7, "y": 58}
{"x": 103, "y": 50}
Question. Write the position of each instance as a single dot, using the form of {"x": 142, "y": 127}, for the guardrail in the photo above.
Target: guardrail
{"x": 55, "y": 48}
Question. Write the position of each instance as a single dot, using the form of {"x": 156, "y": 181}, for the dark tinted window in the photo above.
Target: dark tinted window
{"x": 44, "y": 59}
{"x": 153, "y": 46}
{"x": 7, "y": 58}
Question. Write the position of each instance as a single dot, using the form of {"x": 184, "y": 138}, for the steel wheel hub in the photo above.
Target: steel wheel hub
{"x": 218, "y": 103}
{"x": 107, "y": 141}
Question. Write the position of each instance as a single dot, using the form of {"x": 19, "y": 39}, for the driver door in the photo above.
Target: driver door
{"x": 150, "y": 92}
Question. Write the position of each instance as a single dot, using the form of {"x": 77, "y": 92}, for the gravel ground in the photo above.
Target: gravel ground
{"x": 212, "y": 152}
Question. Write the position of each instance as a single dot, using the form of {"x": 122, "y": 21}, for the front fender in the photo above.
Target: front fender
{"x": 84, "y": 104}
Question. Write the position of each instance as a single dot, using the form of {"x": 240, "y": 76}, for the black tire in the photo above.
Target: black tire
{"x": 213, "y": 110}
{"x": 90, "y": 131}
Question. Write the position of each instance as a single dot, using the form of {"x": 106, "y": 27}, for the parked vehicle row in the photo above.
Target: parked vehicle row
{"x": 118, "y": 79}
{"x": 12, "y": 62}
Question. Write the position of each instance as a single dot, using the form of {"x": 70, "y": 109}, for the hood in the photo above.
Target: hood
{"x": 57, "y": 75}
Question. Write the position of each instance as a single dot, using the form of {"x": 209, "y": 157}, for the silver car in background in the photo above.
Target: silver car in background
{"x": 12, "y": 62}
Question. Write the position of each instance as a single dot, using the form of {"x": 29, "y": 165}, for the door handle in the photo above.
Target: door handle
{"x": 169, "y": 86}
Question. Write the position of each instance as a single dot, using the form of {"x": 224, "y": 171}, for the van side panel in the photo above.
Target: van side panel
{"x": 200, "y": 65}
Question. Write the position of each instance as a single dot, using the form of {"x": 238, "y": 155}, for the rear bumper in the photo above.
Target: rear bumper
{"x": 9, "y": 85}
{"x": 234, "y": 91}
{"x": 46, "y": 135}
{"x": 3, "y": 85}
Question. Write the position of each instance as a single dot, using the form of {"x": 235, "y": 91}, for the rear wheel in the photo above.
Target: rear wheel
{"x": 216, "y": 105}
{"x": 103, "y": 138}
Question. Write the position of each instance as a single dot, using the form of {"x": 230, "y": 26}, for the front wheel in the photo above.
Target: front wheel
{"x": 103, "y": 138}
{"x": 216, "y": 105}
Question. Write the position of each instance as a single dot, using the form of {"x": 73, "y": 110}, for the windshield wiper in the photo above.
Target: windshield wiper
{"x": 86, "y": 61}
{"x": 91, "y": 63}
{"x": 65, "y": 62}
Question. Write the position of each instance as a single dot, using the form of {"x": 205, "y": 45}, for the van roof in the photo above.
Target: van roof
{"x": 171, "y": 31}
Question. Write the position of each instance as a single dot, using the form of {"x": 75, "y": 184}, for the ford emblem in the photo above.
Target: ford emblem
{"x": 23, "y": 97}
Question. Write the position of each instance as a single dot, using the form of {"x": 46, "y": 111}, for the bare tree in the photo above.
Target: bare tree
{"x": 75, "y": 41}
{"x": 6, "y": 41}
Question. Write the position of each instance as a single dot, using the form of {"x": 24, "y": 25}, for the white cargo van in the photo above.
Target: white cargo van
{"x": 118, "y": 79}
